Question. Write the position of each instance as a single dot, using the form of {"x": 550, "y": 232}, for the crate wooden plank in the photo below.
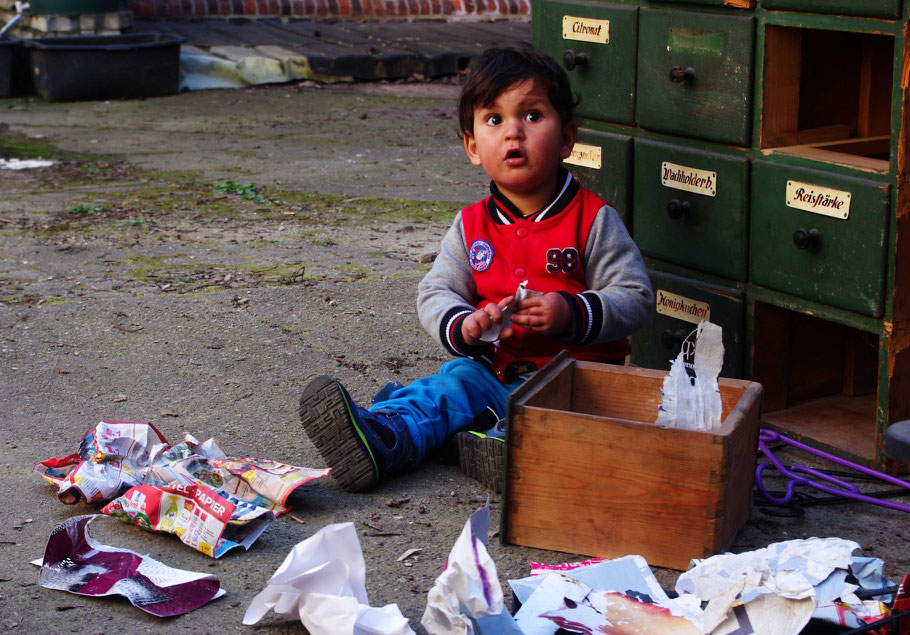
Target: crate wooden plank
{"x": 604, "y": 483}
{"x": 736, "y": 502}
{"x": 627, "y": 393}
{"x": 603, "y": 479}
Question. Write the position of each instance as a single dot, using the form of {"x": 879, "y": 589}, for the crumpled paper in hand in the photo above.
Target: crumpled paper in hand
{"x": 323, "y": 582}
{"x": 492, "y": 334}
{"x": 469, "y": 586}
{"x": 691, "y": 399}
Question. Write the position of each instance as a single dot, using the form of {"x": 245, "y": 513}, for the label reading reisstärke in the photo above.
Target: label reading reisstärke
{"x": 818, "y": 200}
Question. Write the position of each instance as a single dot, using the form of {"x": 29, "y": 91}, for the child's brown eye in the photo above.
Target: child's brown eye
{"x": 533, "y": 116}
{"x": 494, "y": 120}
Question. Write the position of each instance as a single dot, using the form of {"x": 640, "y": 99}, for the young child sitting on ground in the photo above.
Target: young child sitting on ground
{"x": 588, "y": 285}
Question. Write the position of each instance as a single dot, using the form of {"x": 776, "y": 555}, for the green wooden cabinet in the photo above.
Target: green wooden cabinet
{"x": 680, "y": 304}
{"x": 866, "y": 8}
{"x": 596, "y": 42}
{"x": 770, "y": 190}
{"x": 691, "y": 207}
{"x": 695, "y": 74}
{"x": 603, "y": 164}
{"x": 820, "y": 236}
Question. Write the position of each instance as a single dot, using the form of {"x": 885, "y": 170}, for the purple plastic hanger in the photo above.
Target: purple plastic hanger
{"x": 799, "y": 475}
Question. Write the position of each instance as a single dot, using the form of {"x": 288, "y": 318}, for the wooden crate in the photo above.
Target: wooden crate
{"x": 587, "y": 472}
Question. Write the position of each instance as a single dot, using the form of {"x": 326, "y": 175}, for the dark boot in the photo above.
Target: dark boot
{"x": 360, "y": 446}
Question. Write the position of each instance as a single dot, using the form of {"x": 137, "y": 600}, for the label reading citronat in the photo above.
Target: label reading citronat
{"x": 585, "y": 29}
{"x": 681, "y": 177}
{"x": 681, "y": 307}
{"x": 585, "y": 156}
{"x": 818, "y": 200}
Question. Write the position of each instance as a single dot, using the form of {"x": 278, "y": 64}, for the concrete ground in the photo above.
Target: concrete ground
{"x": 137, "y": 283}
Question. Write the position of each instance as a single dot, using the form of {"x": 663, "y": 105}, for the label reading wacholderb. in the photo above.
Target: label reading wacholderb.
{"x": 681, "y": 307}
{"x": 585, "y": 29}
{"x": 681, "y": 177}
{"x": 585, "y": 156}
{"x": 818, "y": 200}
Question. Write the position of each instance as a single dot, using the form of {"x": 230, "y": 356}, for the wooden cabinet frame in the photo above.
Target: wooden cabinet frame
{"x": 870, "y": 357}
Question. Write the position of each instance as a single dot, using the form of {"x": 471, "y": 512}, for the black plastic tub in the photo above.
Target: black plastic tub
{"x": 72, "y": 7}
{"x": 105, "y": 66}
{"x": 7, "y": 48}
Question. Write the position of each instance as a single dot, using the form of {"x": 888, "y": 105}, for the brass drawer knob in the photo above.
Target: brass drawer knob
{"x": 679, "y": 74}
{"x": 805, "y": 238}
{"x": 671, "y": 339}
{"x": 676, "y": 209}
{"x": 571, "y": 59}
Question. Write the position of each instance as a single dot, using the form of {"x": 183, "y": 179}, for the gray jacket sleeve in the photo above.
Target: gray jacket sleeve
{"x": 616, "y": 278}
{"x": 447, "y": 293}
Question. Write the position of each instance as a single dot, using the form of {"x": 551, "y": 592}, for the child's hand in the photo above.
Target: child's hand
{"x": 473, "y": 326}
{"x": 546, "y": 313}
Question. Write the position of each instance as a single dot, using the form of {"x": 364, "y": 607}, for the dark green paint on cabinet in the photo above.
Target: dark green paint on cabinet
{"x": 865, "y": 8}
{"x": 820, "y": 256}
{"x": 695, "y": 74}
{"x": 658, "y": 343}
{"x": 601, "y": 74}
{"x": 611, "y": 181}
{"x": 701, "y": 230}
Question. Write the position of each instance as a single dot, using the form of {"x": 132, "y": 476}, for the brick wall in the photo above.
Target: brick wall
{"x": 372, "y": 9}
{"x": 32, "y": 26}
{"x": 112, "y": 23}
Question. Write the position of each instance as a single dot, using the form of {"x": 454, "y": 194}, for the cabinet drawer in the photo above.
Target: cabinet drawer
{"x": 691, "y": 207}
{"x": 834, "y": 254}
{"x": 867, "y": 8}
{"x": 603, "y": 164}
{"x": 596, "y": 42}
{"x": 695, "y": 74}
{"x": 680, "y": 304}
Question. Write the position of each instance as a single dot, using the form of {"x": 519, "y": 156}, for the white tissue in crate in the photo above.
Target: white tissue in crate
{"x": 691, "y": 399}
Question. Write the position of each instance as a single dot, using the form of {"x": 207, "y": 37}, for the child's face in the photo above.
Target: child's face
{"x": 519, "y": 141}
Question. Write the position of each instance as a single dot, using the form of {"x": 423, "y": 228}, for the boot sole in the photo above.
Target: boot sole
{"x": 326, "y": 419}
{"x": 482, "y": 459}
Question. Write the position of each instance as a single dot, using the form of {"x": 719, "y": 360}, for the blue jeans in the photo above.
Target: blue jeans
{"x": 437, "y": 406}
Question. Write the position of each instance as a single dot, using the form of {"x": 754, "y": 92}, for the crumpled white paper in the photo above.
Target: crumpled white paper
{"x": 24, "y": 164}
{"x": 551, "y": 595}
{"x": 620, "y": 592}
{"x": 469, "y": 586}
{"x": 323, "y": 582}
{"x": 785, "y": 574}
{"x": 691, "y": 399}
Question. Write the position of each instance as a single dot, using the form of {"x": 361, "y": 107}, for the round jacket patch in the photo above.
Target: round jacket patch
{"x": 480, "y": 255}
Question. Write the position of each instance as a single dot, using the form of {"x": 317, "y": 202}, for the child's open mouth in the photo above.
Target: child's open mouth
{"x": 514, "y": 157}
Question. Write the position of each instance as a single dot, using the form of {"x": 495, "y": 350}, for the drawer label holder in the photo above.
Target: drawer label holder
{"x": 818, "y": 200}
{"x": 586, "y": 156}
{"x": 585, "y": 29}
{"x": 681, "y": 307}
{"x": 680, "y": 177}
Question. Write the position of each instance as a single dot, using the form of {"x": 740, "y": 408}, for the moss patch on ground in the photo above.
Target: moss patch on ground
{"x": 19, "y": 146}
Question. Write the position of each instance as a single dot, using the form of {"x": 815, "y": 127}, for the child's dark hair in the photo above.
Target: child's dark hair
{"x": 497, "y": 69}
